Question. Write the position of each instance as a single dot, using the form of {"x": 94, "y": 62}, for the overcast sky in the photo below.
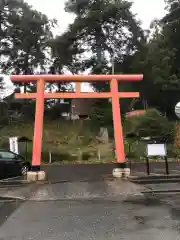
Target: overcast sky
{"x": 147, "y": 10}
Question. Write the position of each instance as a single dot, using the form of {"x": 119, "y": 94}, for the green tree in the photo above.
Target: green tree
{"x": 8, "y": 11}
{"x": 158, "y": 59}
{"x": 151, "y": 124}
{"x": 25, "y": 40}
{"x": 102, "y": 30}
{"x": 2, "y": 87}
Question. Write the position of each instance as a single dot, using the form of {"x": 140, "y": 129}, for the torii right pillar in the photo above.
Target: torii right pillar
{"x": 120, "y": 170}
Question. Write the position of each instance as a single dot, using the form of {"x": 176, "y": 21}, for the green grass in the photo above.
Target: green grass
{"x": 67, "y": 141}
{"x": 71, "y": 142}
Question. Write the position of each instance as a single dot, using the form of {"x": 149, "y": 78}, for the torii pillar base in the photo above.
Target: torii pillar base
{"x": 36, "y": 174}
{"x": 121, "y": 171}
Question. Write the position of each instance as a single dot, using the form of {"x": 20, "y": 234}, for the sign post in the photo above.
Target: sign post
{"x": 157, "y": 150}
{"x": 13, "y": 145}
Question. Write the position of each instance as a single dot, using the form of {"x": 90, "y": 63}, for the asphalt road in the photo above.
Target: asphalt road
{"x": 149, "y": 218}
{"x": 81, "y": 172}
{"x": 89, "y": 208}
{"x": 95, "y": 172}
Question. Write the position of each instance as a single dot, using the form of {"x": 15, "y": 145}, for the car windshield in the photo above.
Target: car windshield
{"x": 7, "y": 155}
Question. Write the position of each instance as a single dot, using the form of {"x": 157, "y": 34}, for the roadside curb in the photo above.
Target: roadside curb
{"x": 161, "y": 191}
{"x": 74, "y": 180}
{"x": 110, "y": 163}
{"x": 155, "y": 176}
{"x": 156, "y": 181}
{"x": 14, "y": 184}
{"x": 21, "y": 183}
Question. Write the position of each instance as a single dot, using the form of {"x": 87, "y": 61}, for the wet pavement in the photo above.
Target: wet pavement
{"x": 84, "y": 172}
{"x": 96, "y": 210}
{"x": 106, "y": 190}
{"x": 96, "y": 172}
{"x": 164, "y": 187}
{"x": 96, "y": 220}
{"x": 83, "y": 202}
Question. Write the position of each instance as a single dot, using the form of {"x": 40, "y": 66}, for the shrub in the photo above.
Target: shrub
{"x": 151, "y": 124}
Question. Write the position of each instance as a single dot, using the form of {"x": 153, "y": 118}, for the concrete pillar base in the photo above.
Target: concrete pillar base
{"x": 36, "y": 176}
{"x": 117, "y": 172}
{"x": 127, "y": 172}
{"x": 121, "y": 172}
{"x": 41, "y": 176}
{"x": 32, "y": 176}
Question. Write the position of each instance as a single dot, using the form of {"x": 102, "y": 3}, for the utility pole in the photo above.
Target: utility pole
{"x": 112, "y": 69}
{"x": 113, "y": 63}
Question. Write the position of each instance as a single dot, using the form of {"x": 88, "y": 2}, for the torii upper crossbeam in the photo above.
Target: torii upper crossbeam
{"x": 40, "y": 95}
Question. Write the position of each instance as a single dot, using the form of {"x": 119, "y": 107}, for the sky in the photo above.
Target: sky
{"x": 146, "y": 10}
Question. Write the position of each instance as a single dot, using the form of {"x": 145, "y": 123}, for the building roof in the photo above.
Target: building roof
{"x": 135, "y": 113}
{"x": 82, "y": 106}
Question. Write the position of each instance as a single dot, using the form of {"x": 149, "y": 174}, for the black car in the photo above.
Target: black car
{"x": 12, "y": 165}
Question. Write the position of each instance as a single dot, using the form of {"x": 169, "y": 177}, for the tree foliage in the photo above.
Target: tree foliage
{"x": 151, "y": 124}
{"x": 101, "y": 29}
{"x": 25, "y": 37}
{"x": 104, "y": 33}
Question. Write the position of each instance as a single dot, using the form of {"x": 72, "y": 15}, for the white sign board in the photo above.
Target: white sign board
{"x": 154, "y": 150}
{"x": 13, "y": 145}
{"x": 177, "y": 109}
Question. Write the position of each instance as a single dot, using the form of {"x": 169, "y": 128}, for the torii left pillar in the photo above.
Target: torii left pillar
{"x": 36, "y": 173}
{"x": 120, "y": 169}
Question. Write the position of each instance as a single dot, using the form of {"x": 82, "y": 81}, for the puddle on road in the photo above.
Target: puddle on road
{"x": 144, "y": 201}
{"x": 141, "y": 219}
{"x": 7, "y": 207}
{"x": 175, "y": 213}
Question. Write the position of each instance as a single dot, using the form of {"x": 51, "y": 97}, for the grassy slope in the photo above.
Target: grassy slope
{"x": 61, "y": 138}
{"x": 68, "y": 141}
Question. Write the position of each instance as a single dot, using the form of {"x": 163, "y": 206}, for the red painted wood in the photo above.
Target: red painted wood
{"x": 74, "y": 78}
{"x": 38, "y": 125}
{"x": 76, "y": 95}
{"x": 118, "y": 133}
{"x": 40, "y": 95}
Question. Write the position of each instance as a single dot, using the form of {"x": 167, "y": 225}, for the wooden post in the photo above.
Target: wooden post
{"x": 50, "y": 157}
{"x": 99, "y": 154}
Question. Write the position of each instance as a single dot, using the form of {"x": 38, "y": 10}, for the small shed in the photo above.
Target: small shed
{"x": 23, "y": 144}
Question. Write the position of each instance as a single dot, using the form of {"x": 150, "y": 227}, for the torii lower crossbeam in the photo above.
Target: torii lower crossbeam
{"x": 40, "y": 95}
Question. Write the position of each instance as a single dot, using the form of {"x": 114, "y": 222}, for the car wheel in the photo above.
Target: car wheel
{"x": 24, "y": 169}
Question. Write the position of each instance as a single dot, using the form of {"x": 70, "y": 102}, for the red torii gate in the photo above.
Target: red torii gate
{"x": 40, "y": 95}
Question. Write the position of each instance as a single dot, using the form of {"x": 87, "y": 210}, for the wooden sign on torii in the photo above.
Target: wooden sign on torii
{"x": 40, "y": 95}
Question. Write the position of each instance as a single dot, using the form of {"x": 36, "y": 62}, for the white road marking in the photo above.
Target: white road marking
{"x": 13, "y": 197}
{"x": 175, "y": 171}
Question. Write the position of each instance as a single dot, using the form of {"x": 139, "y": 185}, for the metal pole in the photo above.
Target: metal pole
{"x": 167, "y": 165}
{"x": 99, "y": 155}
{"x": 113, "y": 70}
{"x": 147, "y": 166}
{"x": 50, "y": 157}
{"x": 26, "y": 150}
